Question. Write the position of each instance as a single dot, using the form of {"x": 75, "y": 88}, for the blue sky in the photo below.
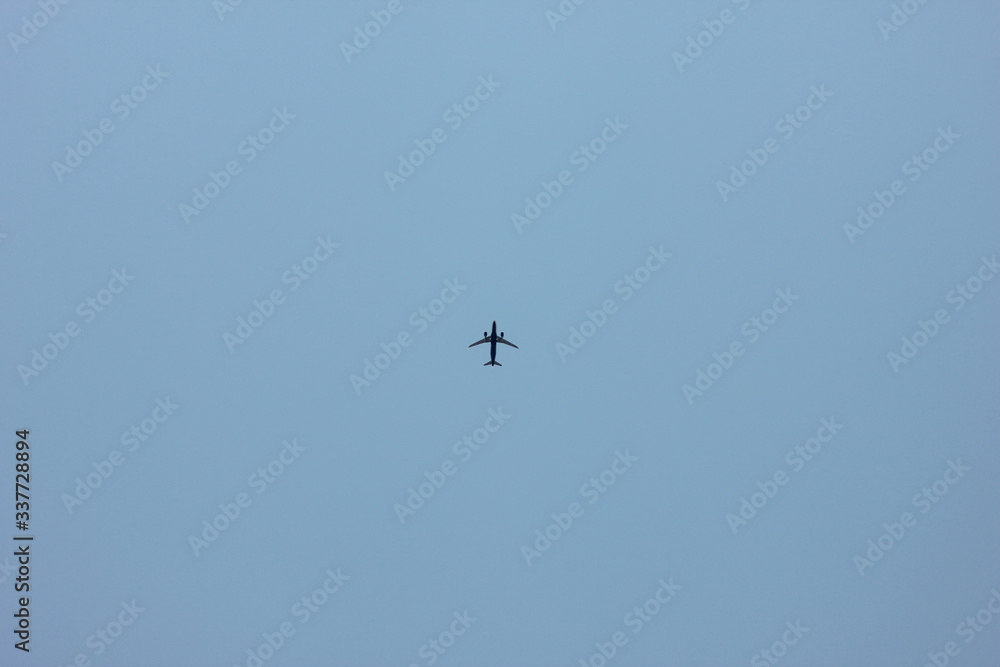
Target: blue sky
{"x": 743, "y": 417}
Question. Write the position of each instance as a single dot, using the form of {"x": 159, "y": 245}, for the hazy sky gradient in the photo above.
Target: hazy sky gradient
{"x": 878, "y": 96}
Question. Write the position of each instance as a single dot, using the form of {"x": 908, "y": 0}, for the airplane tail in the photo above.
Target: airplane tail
{"x": 492, "y": 363}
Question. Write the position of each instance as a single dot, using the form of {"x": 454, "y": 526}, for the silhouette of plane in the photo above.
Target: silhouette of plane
{"x": 493, "y": 339}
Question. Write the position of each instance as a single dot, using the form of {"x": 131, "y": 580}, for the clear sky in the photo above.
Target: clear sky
{"x": 746, "y": 250}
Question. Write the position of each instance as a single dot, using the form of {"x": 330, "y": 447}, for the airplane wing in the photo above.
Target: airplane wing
{"x": 480, "y": 342}
{"x": 506, "y": 342}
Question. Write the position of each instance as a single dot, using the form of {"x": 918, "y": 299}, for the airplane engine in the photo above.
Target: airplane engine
{"x": 485, "y": 335}
{"x": 501, "y": 334}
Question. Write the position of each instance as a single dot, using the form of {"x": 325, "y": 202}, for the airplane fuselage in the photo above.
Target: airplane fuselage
{"x": 493, "y": 343}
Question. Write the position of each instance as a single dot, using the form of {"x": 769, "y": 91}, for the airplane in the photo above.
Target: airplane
{"x": 493, "y": 339}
